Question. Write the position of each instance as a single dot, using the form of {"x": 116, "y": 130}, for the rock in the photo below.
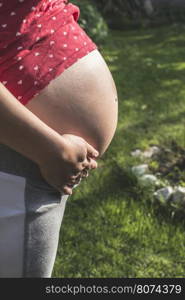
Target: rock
{"x": 151, "y": 151}
{"x": 136, "y": 153}
{"x": 164, "y": 194}
{"x": 158, "y": 174}
{"x": 140, "y": 169}
{"x": 155, "y": 149}
{"x": 167, "y": 150}
{"x": 148, "y": 179}
{"x": 179, "y": 195}
{"x": 147, "y": 153}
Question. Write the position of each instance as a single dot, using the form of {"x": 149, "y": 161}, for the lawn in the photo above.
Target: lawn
{"x": 111, "y": 228}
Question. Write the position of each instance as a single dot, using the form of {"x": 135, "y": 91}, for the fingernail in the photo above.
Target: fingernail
{"x": 96, "y": 154}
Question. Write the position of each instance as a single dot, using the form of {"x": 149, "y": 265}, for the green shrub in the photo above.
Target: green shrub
{"x": 91, "y": 20}
{"x": 121, "y": 14}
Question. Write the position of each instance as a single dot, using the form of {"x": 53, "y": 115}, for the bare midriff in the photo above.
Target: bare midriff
{"x": 82, "y": 101}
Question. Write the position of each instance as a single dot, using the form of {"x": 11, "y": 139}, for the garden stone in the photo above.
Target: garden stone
{"x": 151, "y": 151}
{"x": 148, "y": 179}
{"x": 155, "y": 149}
{"x": 164, "y": 194}
{"x": 140, "y": 169}
{"x": 158, "y": 174}
{"x": 179, "y": 195}
{"x": 136, "y": 153}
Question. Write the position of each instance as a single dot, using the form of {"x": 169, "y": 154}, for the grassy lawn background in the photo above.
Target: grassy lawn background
{"x": 111, "y": 228}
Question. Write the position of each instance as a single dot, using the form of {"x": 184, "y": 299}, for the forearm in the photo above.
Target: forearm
{"x": 23, "y": 131}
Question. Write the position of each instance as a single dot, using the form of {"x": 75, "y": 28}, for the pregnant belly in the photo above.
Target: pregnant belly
{"x": 81, "y": 101}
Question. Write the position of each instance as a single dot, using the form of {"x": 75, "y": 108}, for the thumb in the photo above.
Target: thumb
{"x": 91, "y": 151}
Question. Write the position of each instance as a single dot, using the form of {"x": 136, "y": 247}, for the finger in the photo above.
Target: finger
{"x": 92, "y": 151}
{"x": 85, "y": 164}
{"x": 67, "y": 190}
{"x": 92, "y": 163}
{"x": 89, "y": 164}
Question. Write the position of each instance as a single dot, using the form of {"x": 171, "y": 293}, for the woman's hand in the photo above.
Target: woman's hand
{"x": 68, "y": 163}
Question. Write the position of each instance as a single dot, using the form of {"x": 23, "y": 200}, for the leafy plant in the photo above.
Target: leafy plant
{"x": 91, "y": 20}
{"x": 154, "y": 165}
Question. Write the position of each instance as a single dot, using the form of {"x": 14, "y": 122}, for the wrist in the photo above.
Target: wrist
{"x": 52, "y": 146}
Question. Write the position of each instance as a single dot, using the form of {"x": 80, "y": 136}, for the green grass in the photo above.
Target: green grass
{"x": 111, "y": 228}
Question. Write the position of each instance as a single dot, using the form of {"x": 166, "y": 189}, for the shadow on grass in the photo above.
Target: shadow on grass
{"x": 112, "y": 228}
{"x": 116, "y": 181}
{"x": 120, "y": 183}
{"x": 149, "y": 70}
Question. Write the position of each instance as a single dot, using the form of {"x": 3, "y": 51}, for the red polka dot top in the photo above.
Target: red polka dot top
{"x": 39, "y": 39}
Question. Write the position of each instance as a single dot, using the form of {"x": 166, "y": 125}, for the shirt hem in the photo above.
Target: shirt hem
{"x": 61, "y": 67}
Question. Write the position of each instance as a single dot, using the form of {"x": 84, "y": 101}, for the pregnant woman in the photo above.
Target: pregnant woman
{"x": 58, "y": 115}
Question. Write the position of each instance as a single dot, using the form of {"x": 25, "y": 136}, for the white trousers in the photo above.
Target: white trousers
{"x": 31, "y": 212}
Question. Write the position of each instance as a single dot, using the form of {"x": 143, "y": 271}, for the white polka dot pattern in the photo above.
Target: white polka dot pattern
{"x": 55, "y": 44}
